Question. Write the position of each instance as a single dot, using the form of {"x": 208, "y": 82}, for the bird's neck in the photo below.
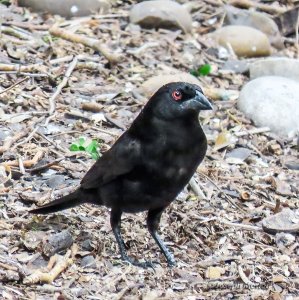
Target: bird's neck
{"x": 149, "y": 128}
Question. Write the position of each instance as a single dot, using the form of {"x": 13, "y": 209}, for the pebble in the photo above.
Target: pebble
{"x": 67, "y": 8}
{"x": 150, "y": 86}
{"x": 88, "y": 262}
{"x": 285, "y": 221}
{"x": 57, "y": 242}
{"x": 254, "y": 19}
{"x": 273, "y": 102}
{"x": 161, "y": 14}
{"x": 244, "y": 40}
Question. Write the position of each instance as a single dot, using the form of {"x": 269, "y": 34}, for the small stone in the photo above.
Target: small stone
{"x": 285, "y": 221}
{"x": 32, "y": 239}
{"x": 237, "y": 66}
{"x": 244, "y": 40}
{"x": 57, "y": 242}
{"x": 149, "y": 87}
{"x": 87, "y": 245}
{"x": 284, "y": 239}
{"x": 273, "y": 102}
{"x": 67, "y": 8}
{"x": 88, "y": 262}
{"x": 214, "y": 272}
{"x": 55, "y": 181}
{"x": 254, "y": 19}
{"x": 275, "y": 66}
{"x": 161, "y": 14}
{"x": 237, "y": 155}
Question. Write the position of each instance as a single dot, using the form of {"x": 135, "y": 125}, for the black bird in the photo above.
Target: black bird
{"x": 148, "y": 165}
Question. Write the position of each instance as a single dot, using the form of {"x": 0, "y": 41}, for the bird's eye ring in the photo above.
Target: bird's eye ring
{"x": 176, "y": 95}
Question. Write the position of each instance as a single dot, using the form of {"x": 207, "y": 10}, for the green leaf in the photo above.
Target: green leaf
{"x": 204, "y": 70}
{"x": 95, "y": 155}
{"x": 74, "y": 147}
{"x": 81, "y": 141}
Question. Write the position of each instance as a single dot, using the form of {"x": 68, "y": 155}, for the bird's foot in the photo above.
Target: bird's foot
{"x": 170, "y": 260}
{"x": 171, "y": 263}
{"x": 145, "y": 265}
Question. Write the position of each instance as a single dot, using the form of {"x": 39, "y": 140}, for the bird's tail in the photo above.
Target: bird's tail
{"x": 68, "y": 201}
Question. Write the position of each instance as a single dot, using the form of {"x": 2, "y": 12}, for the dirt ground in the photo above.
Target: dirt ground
{"x": 58, "y": 91}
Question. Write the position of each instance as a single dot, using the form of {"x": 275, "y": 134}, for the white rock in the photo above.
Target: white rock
{"x": 272, "y": 101}
{"x": 275, "y": 66}
{"x": 161, "y": 14}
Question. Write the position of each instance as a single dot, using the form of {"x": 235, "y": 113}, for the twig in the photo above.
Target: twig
{"x": 62, "y": 84}
{"x": 26, "y": 163}
{"x": 228, "y": 198}
{"x": 28, "y": 25}
{"x": 86, "y": 41}
{"x": 264, "y": 7}
{"x": 244, "y": 277}
{"x": 297, "y": 35}
{"x": 114, "y": 122}
{"x": 105, "y": 131}
{"x": 14, "y": 85}
{"x": 30, "y": 136}
{"x": 252, "y": 131}
{"x": 196, "y": 189}
{"x": 46, "y": 166}
{"x": 8, "y": 142}
{"x": 243, "y": 226}
{"x": 56, "y": 265}
{"x": 21, "y": 68}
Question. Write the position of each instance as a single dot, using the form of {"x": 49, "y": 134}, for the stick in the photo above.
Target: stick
{"x": 196, "y": 189}
{"x": 13, "y": 85}
{"x": 253, "y": 131}
{"x": 86, "y": 41}
{"x": 62, "y": 84}
{"x": 264, "y": 7}
{"x": 297, "y": 37}
{"x": 228, "y": 198}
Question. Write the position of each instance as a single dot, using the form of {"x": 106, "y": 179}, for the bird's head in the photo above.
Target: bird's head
{"x": 178, "y": 100}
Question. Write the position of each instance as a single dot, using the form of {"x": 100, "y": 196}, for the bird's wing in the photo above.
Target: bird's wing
{"x": 119, "y": 160}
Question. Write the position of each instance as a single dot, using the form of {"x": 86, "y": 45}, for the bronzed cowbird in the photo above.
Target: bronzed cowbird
{"x": 148, "y": 165}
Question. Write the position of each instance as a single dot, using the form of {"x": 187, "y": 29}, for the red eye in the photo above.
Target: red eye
{"x": 176, "y": 95}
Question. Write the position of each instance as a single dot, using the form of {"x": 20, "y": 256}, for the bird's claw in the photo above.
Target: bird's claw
{"x": 145, "y": 265}
{"x": 171, "y": 263}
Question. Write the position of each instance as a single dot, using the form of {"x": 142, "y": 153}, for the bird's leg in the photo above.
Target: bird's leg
{"x": 115, "y": 220}
{"x": 153, "y": 220}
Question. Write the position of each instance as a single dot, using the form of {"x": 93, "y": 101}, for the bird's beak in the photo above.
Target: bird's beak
{"x": 203, "y": 101}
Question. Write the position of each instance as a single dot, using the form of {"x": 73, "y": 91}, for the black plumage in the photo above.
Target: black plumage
{"x": 148, "y": 165}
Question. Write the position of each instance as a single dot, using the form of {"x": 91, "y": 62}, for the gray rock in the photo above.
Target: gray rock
{"x": 67, "y": 8}
{"x": 275, "y": 66}
{"x": 273, "y": 102}
{"x": 88, "y": 262}
{"x": 87, "y": 245}
{"x": 57, "y": 242}
{"x": 237, "y": 155}
{"x": 55, "y": 181}
{"x": 254, "y": 19}
{"x": 161, "y": 14}
{"x": 244, "y": 40}
{"x": 237, "y": 66}
{"x": 285, "y": 221}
